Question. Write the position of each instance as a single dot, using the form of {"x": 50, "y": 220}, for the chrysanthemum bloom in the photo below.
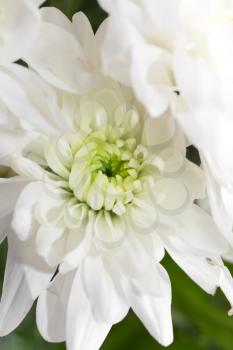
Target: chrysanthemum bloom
{"x": 101, "y": 191}
{"x": 182, "y": 46}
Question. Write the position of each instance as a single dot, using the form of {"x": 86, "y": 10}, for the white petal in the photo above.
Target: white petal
{"x": 10, "y": 190}
{"x": 83, "y": 30}
{"x": 132, "y": 258}
{"x": 25, "y": 106}
{"x": 194, "y": 179}
{"x": 23, "y": 213}
{"x": 39, "y": 2}
{"x": 116, "y": 52}
{"x": 197, "y": 107}
{"x": 109, "y": 230}
{"x": 4, "y": 227}
{"x": 154, "y": 311}
{"x": 46, "y": 239}
{"x": 25, "y": 277}
{"x": 196, "y": 229}
{"x": 150, "y": 78}
{"x": 206, "y": 269}
{"x": 78, "y": 243}
{"x": 226, "y": 283}
{"x": 197, "y": 267}
{"x": 67, "y": 72}
{"x": 43, "y": 110}
{"x": 14, "y": 141}
{"x": 83, "y": 331}
{"x": 51, "y": 309}
{"x": 158, "y": 132}
{"x": 217, "y": 206}
{"x": 107, "y": 304}
{"x": 56, "y": 17}
{"x": 19, "y": 30}
{"x": 27, "y": 168}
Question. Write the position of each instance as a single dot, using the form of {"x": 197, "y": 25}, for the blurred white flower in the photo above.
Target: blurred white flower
{"x": 184, "y": 46}
{"x": 101, "y": 192}
{"x": 205, "y": 77}
{"x": 138, "y": 48}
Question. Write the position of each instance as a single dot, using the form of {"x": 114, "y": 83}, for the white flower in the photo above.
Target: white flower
{"x": 183, "y": 45}
{"x": 19, "y": 23}
{"x": 101, "y": 192}
{"x": 205, "y": 111}
{"x": 138, "y": 48}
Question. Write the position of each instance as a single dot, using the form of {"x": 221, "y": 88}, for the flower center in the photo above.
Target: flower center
{"x": 100, "y": 170}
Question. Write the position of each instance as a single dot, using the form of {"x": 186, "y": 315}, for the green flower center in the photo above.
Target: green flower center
{"x": 101, "y": 170}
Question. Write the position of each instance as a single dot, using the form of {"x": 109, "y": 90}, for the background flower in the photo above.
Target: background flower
{"x": 185, "y": 48}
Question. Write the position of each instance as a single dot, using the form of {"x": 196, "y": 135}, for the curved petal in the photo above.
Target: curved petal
{"x": 153, "y": 311}
{"x": 78, "y": 243}
{"x": 22, "y": 221}
{"x": 150, "y": 78}
{"x": 196, "y": 229}
{"x": 10, "y": 190}
{"x": 26, "y": 275}
{"x": 106, "y": 303}
{"x": 4, "y": 227}
{"x": 51, "y": 309}
{"x": 116, "y": 53}
{"x": 22, "y": 108}
{"x": 208, "y": 272}
{"x": 197, "y": 251}
{"x": 35, "y": 101}
{"x": 67, "y": 72}
{"x": 132, "y": 258}
{"x": 54, "y": 16}
{"x": 82, "y": 330}
{"x": 219, "y": 212}
{"x": 14, "y": 141}
{"x": 19, "y": 30}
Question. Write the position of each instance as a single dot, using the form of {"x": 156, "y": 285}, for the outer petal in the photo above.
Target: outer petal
{"x": 150, "y": 78}
{"x": 202, "y": 104}
{"x": 4, "y": 226}
{"x": 26, "y": 276}
{"x": 132, "y": 258}
{"x": 69, "y": 71}
{"x": 148, "y": 18}
{"x": 35, "y": 102}
{"x": 116, "y": 53}
{"x": 83, "y": 331}
{"x": 9, "y": 192}
{"x": 220, "y": 214}
{"x": 23, "y": 213}
{"x": 197, "y": 251}
{"x": 51, "y": 308}
{"x": 195, "y": 228}
{"x": 154, "y": 311}
{"x": 142, "y": 59}
{"x": 54, "y": 16}
{"x": 13, "y": 142}
{"x": 80, "y": 239}
{"x": 38, "y": 2}
{"x": 106, "y": 302}
{"x": 19, "y": 28}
